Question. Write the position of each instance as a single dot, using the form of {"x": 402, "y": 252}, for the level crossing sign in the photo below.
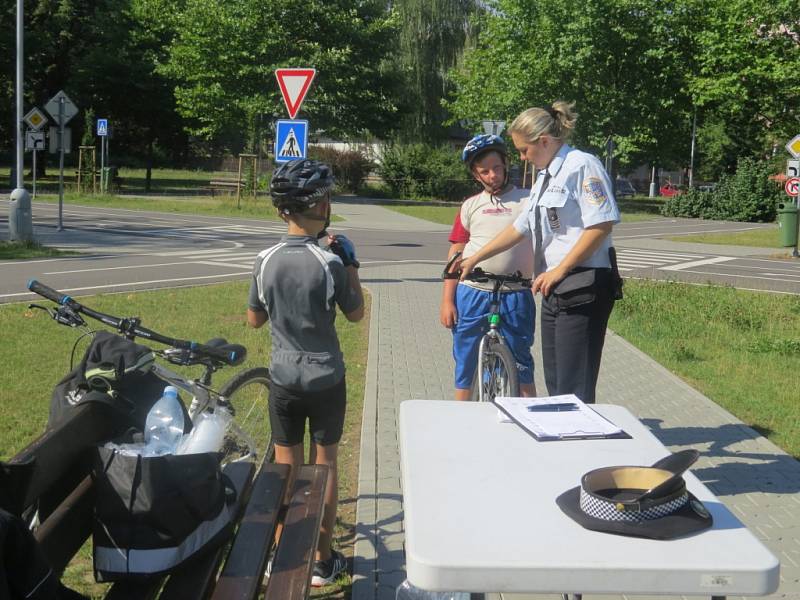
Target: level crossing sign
{"x": 102, "y": 127}
{"x": 291, "y": 140}
{"x": 294, "y": 84}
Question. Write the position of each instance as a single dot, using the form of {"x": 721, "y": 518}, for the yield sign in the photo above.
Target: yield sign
{"x": 294, "y": 84}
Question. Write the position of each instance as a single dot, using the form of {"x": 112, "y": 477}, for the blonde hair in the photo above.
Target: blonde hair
{"x": 557, "y": 121}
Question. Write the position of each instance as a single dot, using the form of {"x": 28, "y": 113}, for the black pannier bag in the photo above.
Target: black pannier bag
{"x": 153, "y": 513}
{"x": 116, "y": 372}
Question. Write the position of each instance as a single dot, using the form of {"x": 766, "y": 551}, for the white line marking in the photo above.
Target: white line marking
{"x": 128, "y": 283}
{"x": 170, "y": 264}
{"x": 697, "y": 263}
{"x": 643, "y": 261}
{"x": 684, "y": 233}
{"x": 666, "y": 253}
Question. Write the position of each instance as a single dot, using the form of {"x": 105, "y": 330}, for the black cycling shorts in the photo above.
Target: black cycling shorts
{"x": 324, "y": 409}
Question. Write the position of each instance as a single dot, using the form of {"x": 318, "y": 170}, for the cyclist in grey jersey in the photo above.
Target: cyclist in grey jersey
{"x": 296, "y": 287}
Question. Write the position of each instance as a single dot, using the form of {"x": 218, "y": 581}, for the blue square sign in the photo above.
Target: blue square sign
{"x": 291, "y": 140}
{"x": 102, "y": 127}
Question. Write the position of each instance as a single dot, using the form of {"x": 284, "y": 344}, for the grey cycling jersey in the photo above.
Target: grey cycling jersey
{"x": 299, "y": 285}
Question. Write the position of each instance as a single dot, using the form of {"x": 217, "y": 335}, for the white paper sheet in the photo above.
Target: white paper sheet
{"x": 557, "y": 417}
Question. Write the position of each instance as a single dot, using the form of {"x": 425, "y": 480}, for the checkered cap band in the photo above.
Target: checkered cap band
{"x": 607, "y": 511}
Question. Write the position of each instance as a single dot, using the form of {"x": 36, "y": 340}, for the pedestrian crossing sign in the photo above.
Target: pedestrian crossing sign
{"x": 291, "y": 140}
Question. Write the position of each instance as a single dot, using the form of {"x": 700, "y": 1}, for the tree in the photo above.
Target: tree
{"x": 624, "y": 62}
{"x": 224, "y": 56}
{"x": 748, "y": 59}
{"x": 433, "y": 35}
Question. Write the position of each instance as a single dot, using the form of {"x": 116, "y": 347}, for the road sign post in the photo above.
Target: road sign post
{"x": 102, "y": 132}
{"x": 20, "y": 218}
{"x": 34, "y": 141}
{"x": 62, "y": 109}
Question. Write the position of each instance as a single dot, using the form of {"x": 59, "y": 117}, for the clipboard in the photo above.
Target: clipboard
{"x": 556, "y": 418}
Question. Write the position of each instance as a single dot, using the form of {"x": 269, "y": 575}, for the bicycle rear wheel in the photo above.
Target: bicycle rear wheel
{"x": 247, "y": 394}
{"x": 498, "y": 372}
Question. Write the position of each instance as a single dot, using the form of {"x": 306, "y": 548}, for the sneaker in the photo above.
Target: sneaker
{"x": 326, "y": 571}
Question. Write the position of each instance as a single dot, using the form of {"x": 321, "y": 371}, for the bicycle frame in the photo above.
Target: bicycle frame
{"x": 492, "y": 336}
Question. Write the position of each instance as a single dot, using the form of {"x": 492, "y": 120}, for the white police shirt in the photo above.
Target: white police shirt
{"x": 579, "y": 194}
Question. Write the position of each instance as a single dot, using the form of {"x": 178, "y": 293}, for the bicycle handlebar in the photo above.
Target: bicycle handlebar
{"x": 479, "y": 275}
{"x": 232, "y": 354}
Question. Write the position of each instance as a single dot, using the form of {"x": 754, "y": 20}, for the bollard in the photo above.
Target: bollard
{"x": 20, "y": 219}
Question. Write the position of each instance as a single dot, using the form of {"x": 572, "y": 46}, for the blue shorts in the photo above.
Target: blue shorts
{"x": 517, "y": 318}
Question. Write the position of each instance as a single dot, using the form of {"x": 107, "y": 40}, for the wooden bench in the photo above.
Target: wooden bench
{"x": 53, "y": 472}
{"x": 227, "y": 186}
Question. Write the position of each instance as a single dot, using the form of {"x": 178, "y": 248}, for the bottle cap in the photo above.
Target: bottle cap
{"x": 171, "y": 390}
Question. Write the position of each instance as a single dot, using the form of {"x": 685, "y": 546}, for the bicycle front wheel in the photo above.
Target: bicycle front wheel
{"x": 247, "y": 394}
{"x": 498, "y": 372}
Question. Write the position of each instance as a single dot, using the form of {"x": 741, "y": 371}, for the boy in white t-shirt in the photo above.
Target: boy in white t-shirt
{"x": 465, "y": 305}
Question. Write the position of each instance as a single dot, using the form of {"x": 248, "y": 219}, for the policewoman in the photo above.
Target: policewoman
{"x": 570, "y": 214}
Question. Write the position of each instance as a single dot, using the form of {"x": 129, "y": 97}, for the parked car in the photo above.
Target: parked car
{"x": 670, "y": 189}
{"x": 623, "y": 188}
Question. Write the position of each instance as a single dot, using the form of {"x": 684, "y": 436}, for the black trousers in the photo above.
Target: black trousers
{"x": 572, "y": 341}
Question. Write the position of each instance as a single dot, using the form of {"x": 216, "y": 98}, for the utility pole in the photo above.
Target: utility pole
{"x": 20, "y": 222}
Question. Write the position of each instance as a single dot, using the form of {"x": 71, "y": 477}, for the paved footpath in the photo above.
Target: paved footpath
{"x": 410, "y": 357}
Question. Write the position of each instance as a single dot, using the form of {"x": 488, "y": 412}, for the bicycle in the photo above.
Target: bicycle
{"x": 244, "y": 396}
{"x": 496, "y": 372}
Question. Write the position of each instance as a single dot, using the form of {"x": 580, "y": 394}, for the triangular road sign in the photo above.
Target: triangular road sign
{"x": 290, "y": 148}
{"x": 294, "y": 84}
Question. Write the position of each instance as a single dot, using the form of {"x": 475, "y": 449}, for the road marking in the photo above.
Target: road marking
{"x": 697, "y": 263}
{"x": 659, "y": 253}
{"x": 129, "y": 283}
{"x": 97, "y": 269}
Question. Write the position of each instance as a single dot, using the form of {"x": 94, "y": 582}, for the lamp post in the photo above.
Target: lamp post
{"x": 20, "y": 222}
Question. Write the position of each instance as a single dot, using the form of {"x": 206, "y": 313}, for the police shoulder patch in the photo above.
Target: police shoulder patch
{"x": 593, "y": 191}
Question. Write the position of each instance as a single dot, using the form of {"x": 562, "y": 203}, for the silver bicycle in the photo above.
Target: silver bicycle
{"x": 496, "y": 372}
{"x": 245, "y": 395}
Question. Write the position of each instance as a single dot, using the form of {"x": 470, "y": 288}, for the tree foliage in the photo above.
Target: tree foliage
{"x": 433, "y": 35}
{"x": 622, "y": 61}
{"x": 224, "y": 55}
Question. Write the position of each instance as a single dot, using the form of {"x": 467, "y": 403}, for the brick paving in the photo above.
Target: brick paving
{"x": 410, "y": 357}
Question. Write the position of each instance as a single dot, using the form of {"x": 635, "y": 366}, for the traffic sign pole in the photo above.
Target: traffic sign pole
{"x": 60, "y": 164}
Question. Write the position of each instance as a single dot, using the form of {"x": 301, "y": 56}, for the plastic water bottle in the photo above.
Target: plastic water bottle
{"x": 207, "y": 434}
{"x": 408, "y": 591}
{"x": 164, "y": 425}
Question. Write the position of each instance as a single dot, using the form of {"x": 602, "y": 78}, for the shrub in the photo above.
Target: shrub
{"x": 350, "y": 167}
{"x": 747, "y": 195}
{"x": 421, "y": 171}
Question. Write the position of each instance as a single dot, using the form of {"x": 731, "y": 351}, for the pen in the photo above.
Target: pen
{"x": 552, "y": 407}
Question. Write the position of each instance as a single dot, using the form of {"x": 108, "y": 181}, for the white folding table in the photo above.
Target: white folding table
{"x": 480, "y": 514}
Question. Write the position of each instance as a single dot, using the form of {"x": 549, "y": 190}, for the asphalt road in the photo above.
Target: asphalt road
{"x": 126, "y": 250}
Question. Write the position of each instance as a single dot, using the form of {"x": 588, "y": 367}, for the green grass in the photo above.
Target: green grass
{"x": 760, "y": 238}
{"x": 219, "y": 206}
{"x": 739, "y": 348}
{"x": 32, "y": 369}
{"x": 23, "y": 250}
{"x": 632, "y": 211}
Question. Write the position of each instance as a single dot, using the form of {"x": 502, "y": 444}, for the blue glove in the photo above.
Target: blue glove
{"x": 342, "y": 247}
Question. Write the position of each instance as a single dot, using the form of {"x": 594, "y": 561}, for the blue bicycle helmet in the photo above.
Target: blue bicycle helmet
{"x": 481, "y": 144}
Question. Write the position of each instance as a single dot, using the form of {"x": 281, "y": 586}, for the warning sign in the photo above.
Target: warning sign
{"x": 294, "y": 84}
{"x": 291, "y": 140}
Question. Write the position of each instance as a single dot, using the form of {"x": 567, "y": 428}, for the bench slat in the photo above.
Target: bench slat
{"x": 68, "y": 526}
{"x": 294, "y": 558}
{"x": 58, "y": 453}
{"x": 244, "y": 569}
{"x": 196, "y": 578}
{"x": 193, "y": 578}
